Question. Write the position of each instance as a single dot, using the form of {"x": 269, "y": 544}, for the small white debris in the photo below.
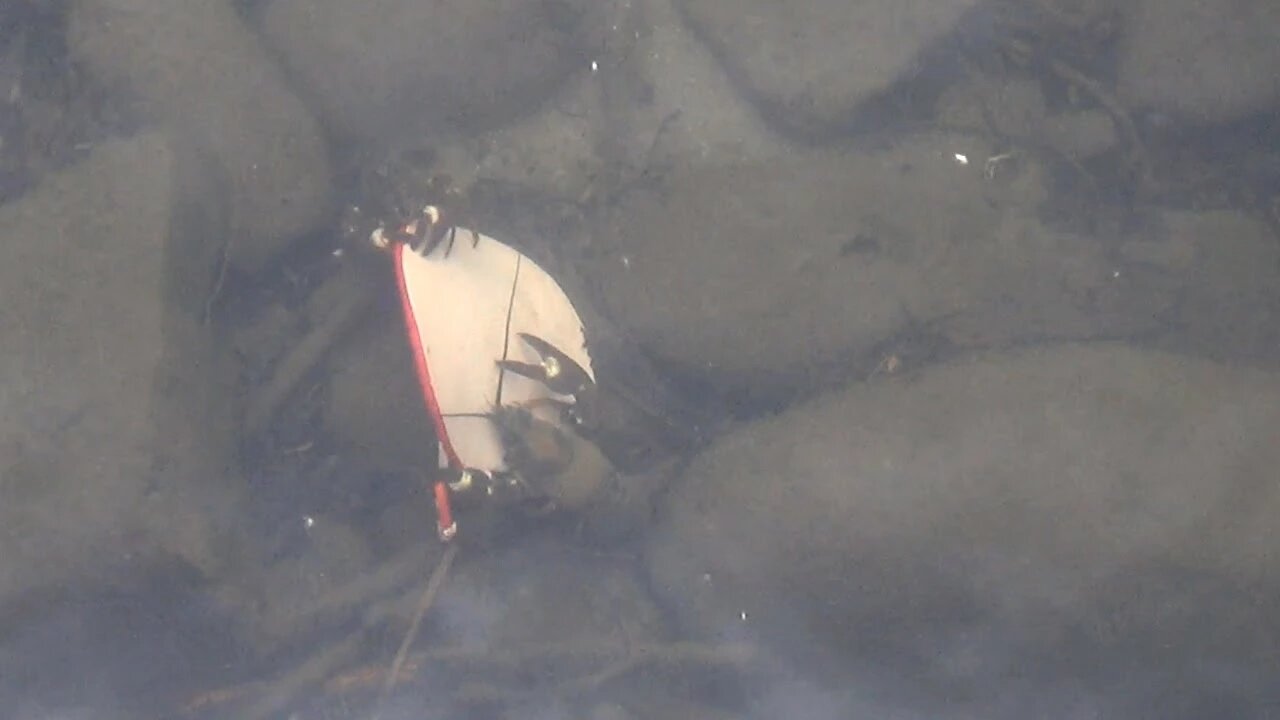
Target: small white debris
{"x": 990, "y": 167}
{"x": 961, "y": 158}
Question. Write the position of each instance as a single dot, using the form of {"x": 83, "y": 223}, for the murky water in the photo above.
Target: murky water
{"x": 902, "y": 489}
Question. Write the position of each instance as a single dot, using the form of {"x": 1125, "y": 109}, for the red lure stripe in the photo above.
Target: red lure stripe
{"x": 446, "y": 527}
{"x": 420, "y": 359}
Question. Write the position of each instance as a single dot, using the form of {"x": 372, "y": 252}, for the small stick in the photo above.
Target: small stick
{"x": 216, "y": 292}
{"x": 424, "y": 604}
{"x": 601, "y": 661}
{"x": 1141, "y": 161}
{"x": 305, "y": 355}
{"x": 362, "y": 591}
{"x": 312, "y": 672}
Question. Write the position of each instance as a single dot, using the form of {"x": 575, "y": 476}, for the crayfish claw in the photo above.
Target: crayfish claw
{"x": 559, "y": 372}
{"x": 533, "y": 371}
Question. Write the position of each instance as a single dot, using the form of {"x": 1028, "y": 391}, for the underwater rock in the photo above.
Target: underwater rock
{"x": 1200, "y": 62}
{"x": 116, "y": 429}
{"x": 811, "y": 64}
{"x": 546, "y": 593}
{"x": 1225, "y": 265}
{"x": 390, "y": 69}
{"x": 195, "y": 66}
{"x": 776, "y": 275}
{"x": 1063, "y": 514}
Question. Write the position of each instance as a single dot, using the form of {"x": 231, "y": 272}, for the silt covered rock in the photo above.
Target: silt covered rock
{"x": 776, "y": 275}
{"x": 115, "y": 424}
{"x": 196, "y": 67}
{"x": 392, "y": 68}
{"x": 998, "y": 527}
{"x": 811, "y": 64}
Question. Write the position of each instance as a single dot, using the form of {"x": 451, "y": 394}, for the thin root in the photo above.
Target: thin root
{"x": 424, "y": 603}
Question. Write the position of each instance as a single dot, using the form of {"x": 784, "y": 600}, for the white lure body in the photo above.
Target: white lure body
{"x": 464, "y": 305}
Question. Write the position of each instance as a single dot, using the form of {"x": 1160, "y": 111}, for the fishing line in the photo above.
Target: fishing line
{"x": 506, "y": 336}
